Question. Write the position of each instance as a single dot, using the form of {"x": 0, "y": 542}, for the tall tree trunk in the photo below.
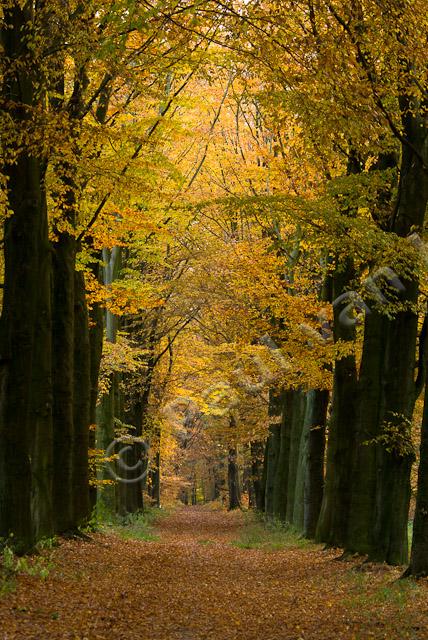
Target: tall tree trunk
{"x": 257, "y": 453}
{"x": 247, "y": 481}
{"x": 316, "y": 419}
{"x": 25, "y": 326}
{"x": 272, "y": 449}
{"x": 82, "y": 402}
{"x": 131, "y": 489}
{"x": 96, "y": 331}
{"x": 302, "y": 465}
{"x": 63, "y": 379}
{"x": 419, "y": 555}
{"x": 390, "y": 542}
{"x": 332, "y": 526}
{"x": 296, "y": 459}
{"x": 364, "y": 459}
{"x": 233, "y": 480}
{"x": 106, "y": 410}
{"x": 391, "y": 349}
{"x": 280, "y": 491}
{"x": 156, "y": 480}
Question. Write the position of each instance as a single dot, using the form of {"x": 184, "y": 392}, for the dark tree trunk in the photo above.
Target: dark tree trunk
{"x": 156, "y": 481}
{"x": 332, "y": 526}
{"x": 70, "y": 325}
{"x": 131, "y": 491}
{"x": 316, "y": 418}
{"x": 250, "y": 490}
{"x": 419, "y": 556}
{"x": 392, "y": 366}
{"x": 364, "y": 459}
{"x": 63, "y": 379}
{"x": 233, "y": 480}
{"x": 107, "y": 409}
{"x": 257, "y": 449}
{"x": 247, "y": 479}
{"x": 96, "y": 331}
{"x": 194, "y": 494}
{"x": 272, "y": 449}
{"x": 82, "y": 401}
{"x": 280, "y": 492}
{"x": 25, "y": 327}
{"x": 296, "y": 461}
{"x": 390, "y": 542}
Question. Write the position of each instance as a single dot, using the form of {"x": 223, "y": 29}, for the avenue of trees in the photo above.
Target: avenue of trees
{"x": 214, "y": 268}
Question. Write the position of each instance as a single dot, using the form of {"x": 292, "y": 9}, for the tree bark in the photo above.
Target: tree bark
{"x": 272, "y": 450}
{"x": 294, "y": 513}
{"x": 25, "y": 326}
{"x": 419, "y": 555}
{"x": 81, "y": 405}
{"x": 106, "y": 410}
{"x": 96, "y": 331}
{"x": 391, "y": 350}
{"x": 316, "y": 419}
{"x": 63, "y": 379}
{"x": 156, "y": 487}
{"x": 257, "y": 452}
{"x": 332, "y": 525}
{"x": 233, "y": 480}
{"x": 280, "y": 491}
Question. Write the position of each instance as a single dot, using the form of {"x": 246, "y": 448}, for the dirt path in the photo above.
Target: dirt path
{"x": 194, "y": 584}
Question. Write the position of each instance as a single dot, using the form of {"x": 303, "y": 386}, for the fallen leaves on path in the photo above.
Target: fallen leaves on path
{"x": 193, "y": 584}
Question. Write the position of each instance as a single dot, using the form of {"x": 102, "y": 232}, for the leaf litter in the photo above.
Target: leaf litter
{"x": 195, "y": 581}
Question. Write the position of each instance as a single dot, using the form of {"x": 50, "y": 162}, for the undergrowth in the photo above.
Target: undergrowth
{"x": 361, "y": 594}
{"x": 38, "y": 564}
{"x": 269, "y": 535}
{"x": 137, "y": 526}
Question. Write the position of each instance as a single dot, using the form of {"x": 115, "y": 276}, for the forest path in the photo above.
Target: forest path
{"x": 194, "y": 583}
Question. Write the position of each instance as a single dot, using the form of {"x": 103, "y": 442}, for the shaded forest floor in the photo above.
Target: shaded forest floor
{"x": 207, "y": 574}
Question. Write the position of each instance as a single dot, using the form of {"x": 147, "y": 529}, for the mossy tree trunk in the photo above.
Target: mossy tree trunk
{"x": 296, "y": 460}
{"x": 106, "y": 410}
{"x": 280, "y": 491}
{"x": 272, "y": 449}
{"x": 302, "y": 465}
{"x": 316, "y": 421}
{"x": 388, "y": 392}
{"x": 398, "y": 382}
{"x": 332, "y": 525}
